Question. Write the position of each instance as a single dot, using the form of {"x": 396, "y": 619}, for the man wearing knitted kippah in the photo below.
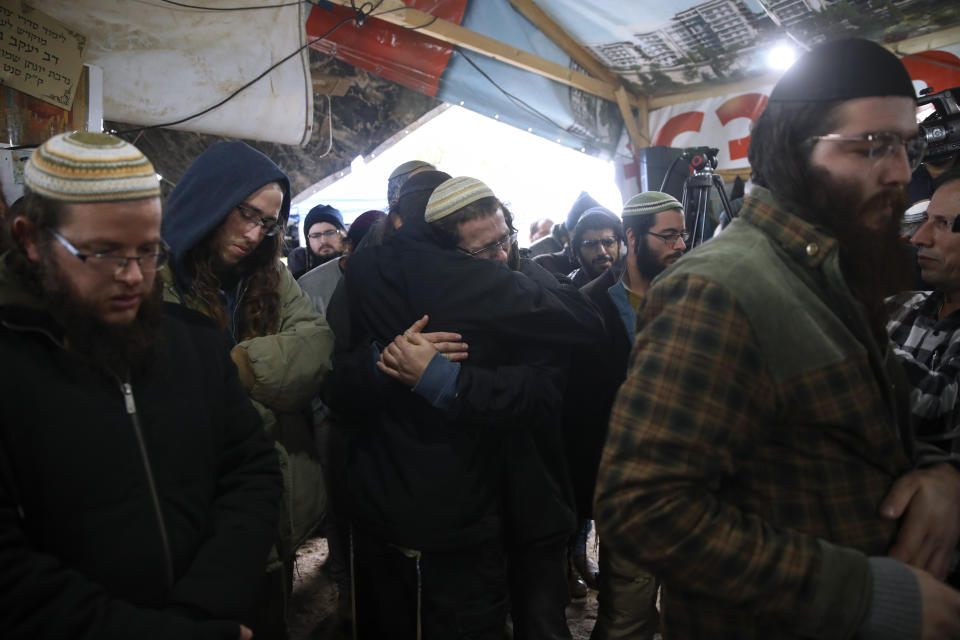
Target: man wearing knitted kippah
{"x": 653, "y": 224}
{"x": 138, "y": 491}
{"x": 449, "y": 470}
{"x": 760, "y": 459}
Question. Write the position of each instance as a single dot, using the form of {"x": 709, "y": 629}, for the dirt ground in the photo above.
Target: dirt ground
{"x": 314, "y": 614}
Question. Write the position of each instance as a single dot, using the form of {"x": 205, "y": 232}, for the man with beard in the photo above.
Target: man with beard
{"x": 760, "y": 460}
{"x": 596, "y": 244}
{"x": 654, "y": 226}
{"x": 137, "y": 489}
{"x": 222, "y": 224}
{"x": 924, "y": 325}
{"x": 323, "y": 229}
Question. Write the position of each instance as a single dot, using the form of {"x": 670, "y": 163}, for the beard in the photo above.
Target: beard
{"x": 323, "y": 259}
{"x": 649, "y": 265}
{"x": 873, "y": 260}
{"x": 118, "y": 350}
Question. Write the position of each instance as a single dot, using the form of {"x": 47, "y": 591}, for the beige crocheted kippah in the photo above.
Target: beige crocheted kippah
{"x": 650, "y": 202}
{"x": 81, "y": 166}
{"x": 454, "y": 194}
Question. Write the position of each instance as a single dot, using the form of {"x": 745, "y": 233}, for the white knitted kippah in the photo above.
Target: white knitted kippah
{"x": 82, "y": 166}
{"x": 650, "y": 202}
{"x": 454, "y": 194}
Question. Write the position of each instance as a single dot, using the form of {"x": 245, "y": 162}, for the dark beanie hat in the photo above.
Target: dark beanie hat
{"x": 415, "y": 192}
{"x": 581, "y": 204}
{"x": 843, "y": 70}
{"x": 322, "y": 213}
{"x": 360, "y": 226}
{"x": 597, "y": 218}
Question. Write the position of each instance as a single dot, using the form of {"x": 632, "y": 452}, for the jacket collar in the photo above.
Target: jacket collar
{"x": 801, "y": 240}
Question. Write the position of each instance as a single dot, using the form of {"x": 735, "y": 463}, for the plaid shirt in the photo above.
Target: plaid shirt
{"x": 754, "y": 438}
{"x": 929, "y": 350}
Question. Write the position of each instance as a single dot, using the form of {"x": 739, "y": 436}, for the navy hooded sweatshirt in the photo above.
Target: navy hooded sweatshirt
{"x": 222, "y": 176}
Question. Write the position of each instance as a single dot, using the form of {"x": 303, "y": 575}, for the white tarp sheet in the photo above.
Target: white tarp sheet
{"x": 162, "y": 63}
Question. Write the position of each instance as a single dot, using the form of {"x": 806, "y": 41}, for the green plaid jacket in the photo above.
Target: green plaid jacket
{"x": 754, "y": 438}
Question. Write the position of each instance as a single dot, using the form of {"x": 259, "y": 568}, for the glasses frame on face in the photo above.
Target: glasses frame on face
{"x": 254, "y": 216}
{"x": 671, "y": 238}
{"x": 329, "y": 233}
{"x": 882, "y": 144}
{"x": 102, "y": 258}
{"x": 503, "y": 243}
{"x": 607, "y": 242}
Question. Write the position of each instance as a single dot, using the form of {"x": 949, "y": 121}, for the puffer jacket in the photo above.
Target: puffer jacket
{"x": 282, "y": 370}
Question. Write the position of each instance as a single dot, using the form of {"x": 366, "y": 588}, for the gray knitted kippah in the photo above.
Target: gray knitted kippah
{"x": 650, "y": 202}
{"x": 454, "y": 194}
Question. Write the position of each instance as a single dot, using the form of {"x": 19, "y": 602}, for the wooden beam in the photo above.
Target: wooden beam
{"x": 934, "y": 40}
{"x": 926, "y": 42}
{"x": 658, "y": 102}
{"x": 630, "y": 120}
{"x": 556, "y": 33}
{"x": 395, "y": 12}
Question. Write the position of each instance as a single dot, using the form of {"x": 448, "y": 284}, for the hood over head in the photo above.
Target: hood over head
{"x": 222, "y": 176}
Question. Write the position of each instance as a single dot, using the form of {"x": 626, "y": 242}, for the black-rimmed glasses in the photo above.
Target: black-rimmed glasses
{"x": 881, "y": 144}
{"x": 329, "y": 233}
{"x": 254, "y": 216}
{"x": 109, "y": 264}
{"x": 670, "y": 238}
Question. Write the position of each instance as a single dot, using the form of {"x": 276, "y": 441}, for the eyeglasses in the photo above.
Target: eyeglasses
{"x": 254, "y": 216}
{"x": 329, "y": 233}
{"x": 670, "y": 238}
{"x": 111, "y": 265}
{"x": 503, "y": 243}
{"x": 592, "y": 244}
{"x": 882, "y": 144}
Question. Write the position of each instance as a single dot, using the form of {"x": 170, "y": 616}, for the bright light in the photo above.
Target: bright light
{"x": 535, "y": 176}
{"x": 781, "y": 57}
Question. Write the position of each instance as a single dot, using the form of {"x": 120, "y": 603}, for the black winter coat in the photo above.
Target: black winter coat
{"x": 435, "y": 479}
{"x": 82, "y": 550}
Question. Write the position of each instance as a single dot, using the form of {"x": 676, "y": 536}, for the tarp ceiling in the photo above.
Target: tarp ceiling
{"x": 553, "y": 67}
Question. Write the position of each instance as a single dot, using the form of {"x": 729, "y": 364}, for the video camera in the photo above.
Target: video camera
{"x": 941, "y": 124}
{"x": 701, "y": 158}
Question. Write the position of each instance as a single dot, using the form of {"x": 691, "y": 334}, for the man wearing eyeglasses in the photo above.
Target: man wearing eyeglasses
{"x": 444, "y": 481}
{"x": 222, "y": 224}
{"x": 137, "y": 489}
{"x": 323, "y": 228}
{"x": 596, "y": 240}
{"x": 760, "y": 460}
{"x": 653, "y": 224}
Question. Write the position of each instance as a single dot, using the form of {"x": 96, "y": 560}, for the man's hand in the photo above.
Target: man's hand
{"x": 448, "y": 344}
{"x": 928, "y": 501}
{"x": 245, "y": 633}
{"x": 939, "y": 608}
{"x": 406, "y": 358}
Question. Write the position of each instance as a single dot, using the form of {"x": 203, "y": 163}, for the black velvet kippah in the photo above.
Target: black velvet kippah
{"x": 843, "y": 70}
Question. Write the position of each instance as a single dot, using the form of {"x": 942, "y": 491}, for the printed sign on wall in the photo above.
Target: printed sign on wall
{"x": 39, "y": 55}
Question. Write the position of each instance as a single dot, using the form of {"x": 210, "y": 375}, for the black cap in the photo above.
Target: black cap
{"x": 322, "y": 213}
{"x": 583, "y": 202}
{"x": 843, "y": 70}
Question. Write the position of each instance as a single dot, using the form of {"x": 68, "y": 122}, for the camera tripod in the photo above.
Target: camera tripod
{"x": 696, "y": 194}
